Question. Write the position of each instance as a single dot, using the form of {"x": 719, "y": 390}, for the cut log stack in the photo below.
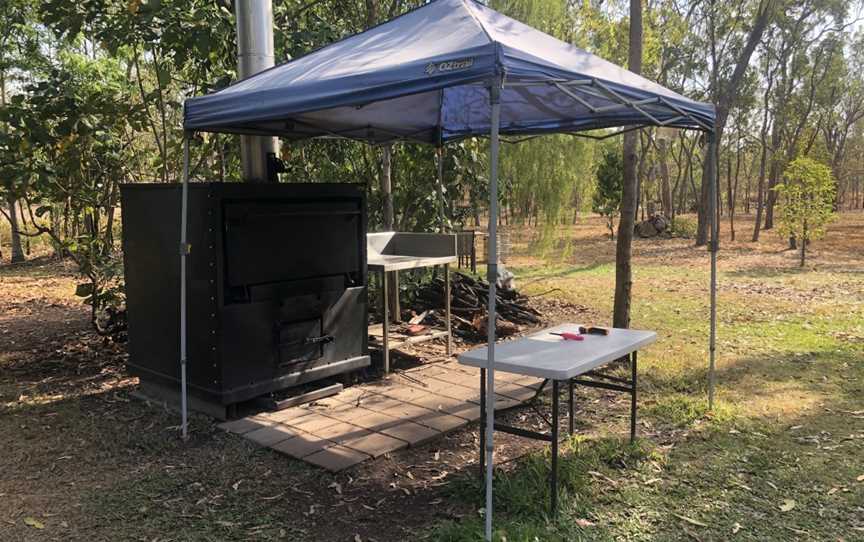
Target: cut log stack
{"x": 469, "y": 304}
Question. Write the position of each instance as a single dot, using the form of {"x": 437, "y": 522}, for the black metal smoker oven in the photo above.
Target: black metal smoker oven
{"x": 276, "y": 287}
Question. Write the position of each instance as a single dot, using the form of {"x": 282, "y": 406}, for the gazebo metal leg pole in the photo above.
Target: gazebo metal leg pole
{"x": 440, "y": 188}
{"x": 447, "y": 308}
{"x": 554, "y": 473}
{"x": 482, "y": 424}
{"x": 570, "y": 405}
{"x": 385, "y": 324}
{"x": 184, "y": 251}
{"x": 492, "y": 268}
{"x": 712, "y": 206}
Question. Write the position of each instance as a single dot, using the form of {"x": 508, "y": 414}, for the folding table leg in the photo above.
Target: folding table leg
{"x": 633, "y": 397}
{"x": 482, "y": 423}
{"x": 570, "y": 405}
{"x": 554, "y": 447}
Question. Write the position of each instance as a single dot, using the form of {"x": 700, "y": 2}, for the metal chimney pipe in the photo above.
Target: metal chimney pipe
{"x": 255, "y": 54}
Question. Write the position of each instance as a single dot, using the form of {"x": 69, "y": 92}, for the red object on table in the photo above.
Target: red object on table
{"x": 567, "y": 336}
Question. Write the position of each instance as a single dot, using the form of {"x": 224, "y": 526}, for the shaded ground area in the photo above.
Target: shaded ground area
{"x": 779, "y": 459}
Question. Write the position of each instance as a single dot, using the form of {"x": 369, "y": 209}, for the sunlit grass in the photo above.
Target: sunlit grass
{"x": 787, "y": 428}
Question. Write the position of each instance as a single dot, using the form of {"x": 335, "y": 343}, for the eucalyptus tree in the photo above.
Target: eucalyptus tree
{"x": 730, "y": 32}
{"x": 67, "y": 129}
{"x": 629, "y": 198}
{"x": 21, "y": 57}
{"x": 806, "y": 47}
{"x": 841, "y": 109}
{"x": 170, "y": 48}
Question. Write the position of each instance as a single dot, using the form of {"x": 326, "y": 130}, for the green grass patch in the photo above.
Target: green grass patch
{"x": 777, "y": 458}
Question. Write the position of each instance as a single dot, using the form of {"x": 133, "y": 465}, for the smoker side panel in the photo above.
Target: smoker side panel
{"x": 151, "y": 253}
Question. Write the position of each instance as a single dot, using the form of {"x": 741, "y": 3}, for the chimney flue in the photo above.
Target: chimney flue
{"x": 255, "y": 54}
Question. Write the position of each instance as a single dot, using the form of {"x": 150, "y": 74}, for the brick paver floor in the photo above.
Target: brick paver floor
{"x": 369, "y": 420}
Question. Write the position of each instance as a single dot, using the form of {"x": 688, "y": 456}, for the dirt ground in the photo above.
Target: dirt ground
{"x": 83, "y": 460}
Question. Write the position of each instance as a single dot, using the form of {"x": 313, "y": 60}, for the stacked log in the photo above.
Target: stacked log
{"x": 652, "y": 227}
{"x": 469, "y": 303}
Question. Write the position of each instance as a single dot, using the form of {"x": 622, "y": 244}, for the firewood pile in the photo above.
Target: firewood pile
{"x": 469, "y": 305}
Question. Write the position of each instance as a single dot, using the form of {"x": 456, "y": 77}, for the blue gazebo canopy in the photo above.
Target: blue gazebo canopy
{"x": 448, "y": 70}
{"x": 424, "y": 76}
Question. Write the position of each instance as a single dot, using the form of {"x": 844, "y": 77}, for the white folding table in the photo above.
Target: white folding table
{"x": 550, "y": 357}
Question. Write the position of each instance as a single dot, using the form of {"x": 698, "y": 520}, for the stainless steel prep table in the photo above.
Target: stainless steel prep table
{"x": 397, "y": 251}
{"x": 550, "y": 357}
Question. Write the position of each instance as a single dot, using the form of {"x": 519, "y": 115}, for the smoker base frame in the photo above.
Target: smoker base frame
{"x": 166, "y": 391}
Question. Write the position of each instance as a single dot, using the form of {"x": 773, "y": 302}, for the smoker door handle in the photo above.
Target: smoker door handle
{"x": 323, "y": 339}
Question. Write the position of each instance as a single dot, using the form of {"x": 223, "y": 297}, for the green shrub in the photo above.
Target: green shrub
{"x": 684, "y": 227}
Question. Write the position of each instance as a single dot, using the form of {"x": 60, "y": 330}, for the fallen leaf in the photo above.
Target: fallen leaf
{"x": 736, "y": 528}
{"x": 236, "y": 485}
{"x": 691, "y": 521}
{"x": 584, "y": 523}
{"x": 860, "y": 478}
{"x": 833, "y": 490}
{"x": 357, "y": 538}
{"x": 787, "y": 505}
{"x": 336, "y": 486}
{"x": 33, "y": 522}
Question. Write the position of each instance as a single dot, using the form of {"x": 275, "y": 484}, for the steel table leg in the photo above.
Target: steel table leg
{"x": 482, "y": 423}
{"x": 554, "y": 482}
{"x": 447, "y": 308}
{"x": 633, "y": 397}
{"x": 570, "y": 405}
{"x": 385, "y": 326}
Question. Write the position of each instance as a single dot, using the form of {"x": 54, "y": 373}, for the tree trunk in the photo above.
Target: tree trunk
{"x": 16, "y": 251}
{"x": 623, "y": 271}
{"x": 771, "y": 196}
{"x": 733, "y": 190}
{"x": 665, "y": 188}
{"x": 726, "y": 98}
{"x": 803, "y": 243}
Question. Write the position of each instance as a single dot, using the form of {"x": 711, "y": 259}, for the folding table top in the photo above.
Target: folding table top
{"x": 395, "y": 251}
{"x": 549, "y": 356}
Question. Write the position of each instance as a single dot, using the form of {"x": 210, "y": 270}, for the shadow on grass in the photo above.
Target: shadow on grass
{"x": 523, "y": 491}
{"x": 530, "y": 275}
{"x": 733, "y": 474}
{"x": 751, "y": 376}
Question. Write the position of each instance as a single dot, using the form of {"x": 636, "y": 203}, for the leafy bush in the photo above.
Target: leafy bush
{"x": 610, "y": 185}
{"x": 806, "y": 201}
{"x": 684, "y": 227}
